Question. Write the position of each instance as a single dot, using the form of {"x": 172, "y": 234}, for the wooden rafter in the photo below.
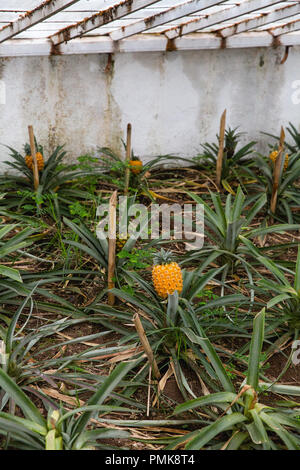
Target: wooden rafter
{"x": 285, "y": 28}
{"x": 260, "y": 19}
{"x": 106, "y": 16}
{"x": 225, "y": 14}
{"x": 45, "y": 10}
{"x": 178, "y": 11}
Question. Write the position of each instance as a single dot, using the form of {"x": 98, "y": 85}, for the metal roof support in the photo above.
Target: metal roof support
{"x": 229, "y": 13}
{"x": 178, "y": 11}
{"x": 261, "y": 19}
{"x": 40, "y": 13}
{"x": 119, "y": 10}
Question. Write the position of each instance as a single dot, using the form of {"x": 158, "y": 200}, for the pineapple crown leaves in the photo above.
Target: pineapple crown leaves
{"x": 135, "y": 158}
{"x": 38, "y": 148}
{"x": 163, "y": 257}
{"x": 233, "y": 136}
{"x": 27, "y": 149}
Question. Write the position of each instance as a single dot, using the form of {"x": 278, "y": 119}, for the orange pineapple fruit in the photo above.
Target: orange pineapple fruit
{"x": 166, "y": 275}
{"x": 38, "y": 155}
{"x": 136, "y": 165}
{"x": 39, "y": 159}
{"x": 273, "y": 156}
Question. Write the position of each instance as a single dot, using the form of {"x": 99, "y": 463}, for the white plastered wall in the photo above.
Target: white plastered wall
{"x": 172, "y": 99}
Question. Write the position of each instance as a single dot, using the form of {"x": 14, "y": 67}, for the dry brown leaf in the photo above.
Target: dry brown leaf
{"x": 126, "y": 355}
{"x": 60, "y": 396}
{"x": 162, "y": 383}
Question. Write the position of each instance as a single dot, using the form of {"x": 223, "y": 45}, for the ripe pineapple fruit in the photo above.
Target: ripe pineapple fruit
{"x": 166, "y": 275}
{"x": 29, "y": 159}
{"x": 273, "y": 156}
{"x": 136, "y": 165}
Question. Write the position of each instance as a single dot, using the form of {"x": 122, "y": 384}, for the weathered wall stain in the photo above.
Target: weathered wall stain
{"x": 111, "y": 126}
{"x": 3, "y": 62}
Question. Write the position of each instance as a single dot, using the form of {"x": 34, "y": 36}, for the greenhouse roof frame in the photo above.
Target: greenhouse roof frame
{"x": 54, "y": 27}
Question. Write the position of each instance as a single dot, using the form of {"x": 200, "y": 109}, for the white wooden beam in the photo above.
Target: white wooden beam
{"x": 178, "y": 11}
{"x": 286, "y": 28}
{"x": 40, "y": 13}
{"x": 18, "y": 5}
{"x": 261, "y": 19}
{"x": 123, "y": 8}
{"x": 226, "y": 14}
{"x": 146, "y": 43}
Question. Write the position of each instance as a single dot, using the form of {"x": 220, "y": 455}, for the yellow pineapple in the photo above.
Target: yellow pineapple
{"x": 286, "y": 162}
{"x": 166, "y": 275}
{"x": 273, "y": 156}
{"x": 39, "y": 158}
{"x": 29, "y": 159}
{"x": 136, "y": 165}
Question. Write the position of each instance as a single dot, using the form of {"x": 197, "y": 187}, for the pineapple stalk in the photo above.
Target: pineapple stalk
{"x": 128, "y": 153}
{"x": 112, "y": 247}
{"x": 34, "y": 164}
{"x": 221, "y": 150}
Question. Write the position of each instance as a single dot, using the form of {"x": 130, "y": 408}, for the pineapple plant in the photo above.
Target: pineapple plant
{"x": 29, "y": 159}
{"x": 166, "y": 275}
{"x": 234, "y": 161}
{"x": 232, "y": 138}
{"x": 273, "y": 156}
